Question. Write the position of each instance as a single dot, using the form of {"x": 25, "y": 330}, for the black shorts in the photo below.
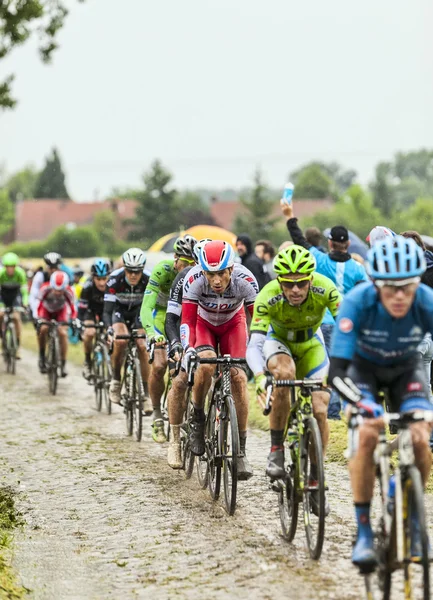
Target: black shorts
{"x": 91, "y": 315}
{"x": 130, "y": 318}
{"x": 401, "y": 382}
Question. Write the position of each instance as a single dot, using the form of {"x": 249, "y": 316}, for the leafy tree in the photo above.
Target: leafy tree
{"x": 77, "y": 242}
{"x": 51, "y": 180}
{"x": 22, "y": 184}
{"x": 192, "y": 210}
{"x": 383, "y": 189}
{"x": 257, "y": 219}
{"x": 419, "y": 217}
{"x": 7, "y": 214}
{"x": 156, "y": 209}
{"x": 355, "y": 210}
{"x": 417, "y": 164}
{"x": 313, "y": 182}
{"x": 341, "y": 178}
{"x": 19, "y": 19}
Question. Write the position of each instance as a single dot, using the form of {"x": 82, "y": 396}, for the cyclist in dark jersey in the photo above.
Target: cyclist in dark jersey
{"x": 122, "y": 302}
{"x": 91, "y": 307}
{"x": 176, "y": 395}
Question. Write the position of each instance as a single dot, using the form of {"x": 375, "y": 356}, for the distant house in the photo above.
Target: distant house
{"x": 224, "y": 213}
{"x": 37, "y": 219}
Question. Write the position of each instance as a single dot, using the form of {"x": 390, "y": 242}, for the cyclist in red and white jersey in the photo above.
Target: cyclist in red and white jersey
{"x": 215, "y": 295}
{"x": 56, "y": 301}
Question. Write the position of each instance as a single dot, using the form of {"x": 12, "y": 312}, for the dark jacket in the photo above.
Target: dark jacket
{"x": 427, "y": 277}
{"x": 253, "y": 262}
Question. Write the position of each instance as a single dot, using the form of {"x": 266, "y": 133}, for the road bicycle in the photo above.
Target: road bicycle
{"x": 221, "y": 432}
{"x": 9, "y": 336}
{"x": 132, "y": 390}
{"x": 101, "y": 367}
{"x": 304, "y": 482}
{"x": 401, "y": 513}
{"x": 53, "y": 360}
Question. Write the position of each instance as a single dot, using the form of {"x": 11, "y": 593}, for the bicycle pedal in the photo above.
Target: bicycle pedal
{"x": 277, "y": 486}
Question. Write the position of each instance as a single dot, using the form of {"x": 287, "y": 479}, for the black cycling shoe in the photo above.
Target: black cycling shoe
{"x": 245, "y": 470}
{"x": 314, "y": 502}
{"x": 196, "y": 437}
{"x": 42, "y": 365}
{"x": 275, "y": 467}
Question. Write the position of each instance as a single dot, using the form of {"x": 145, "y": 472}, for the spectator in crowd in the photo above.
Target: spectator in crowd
{"x": 313, "y": 236}
{"x": 339, "y": 266}
{"x": 426, "y": 346}
{"x": 244, "y": 246}
{"x": 265, "y": 250}
{"x": 377, "y": 234}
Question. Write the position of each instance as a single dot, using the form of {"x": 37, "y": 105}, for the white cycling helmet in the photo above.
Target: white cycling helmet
{"x": 52, "y": 259}
{"x": 197, "y": 248}
{"x": 134, "y": 259}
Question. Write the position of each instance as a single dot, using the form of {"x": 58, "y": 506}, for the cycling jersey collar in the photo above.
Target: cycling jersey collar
{"x": 338, "y": 256}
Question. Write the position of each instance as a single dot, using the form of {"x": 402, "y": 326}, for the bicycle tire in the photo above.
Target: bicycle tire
{"x": 164, "y": 408}
{"x": 214, "y": 450}
{"x": 230, "y": 453}
{"x": 288, "y": 502}
{"x": 202, "y": 462}
{"x": 10, "y": 348}
{"x": 53, "y": 372}
{"x": 127, "y": 401}
{"x": 137, "y": 401}
{"x": 188, "y": 456}
{"x": 98, "y": 377}
{"x": 311, "y": 442}
{"x": 413, "y": 499}
{"x": 107, "y": 374}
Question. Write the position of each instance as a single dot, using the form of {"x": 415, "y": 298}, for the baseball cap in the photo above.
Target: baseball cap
{"x": 338, "y": 234}
{"x": 379, "y": 233}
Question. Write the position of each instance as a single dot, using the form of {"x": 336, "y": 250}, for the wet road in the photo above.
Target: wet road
{"x": 105, "y": 517}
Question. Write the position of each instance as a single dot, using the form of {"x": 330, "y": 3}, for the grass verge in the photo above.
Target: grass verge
{"x": 9, "y": 520}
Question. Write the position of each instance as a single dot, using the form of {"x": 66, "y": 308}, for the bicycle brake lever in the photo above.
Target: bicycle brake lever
{"x": 268, "y": 406}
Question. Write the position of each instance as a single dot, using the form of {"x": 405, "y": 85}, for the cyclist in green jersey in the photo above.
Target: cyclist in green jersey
{"x": 286, "y": 340}
{"x": 152, "y": 314}
{"x": 13, "y": 290}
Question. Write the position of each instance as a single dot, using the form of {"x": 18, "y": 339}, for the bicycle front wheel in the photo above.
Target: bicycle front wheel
{"x": 188, "y": 456}
{"x": 98, "y": 377}
{"x": 10, "y": 348}
{"x": 107, "y": 376}
{"x": 137, "y": 404}
{"x": 288, "y": 500}
{"x": 213, "y": 426}
{"x": 416, "y": 543}
{"x": 230, "y": 451}
{"x": 53, "y": 368}
{"x": 314, "y": 487}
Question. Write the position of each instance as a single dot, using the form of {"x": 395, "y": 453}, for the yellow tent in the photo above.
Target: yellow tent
{"x": 165, "y": 244}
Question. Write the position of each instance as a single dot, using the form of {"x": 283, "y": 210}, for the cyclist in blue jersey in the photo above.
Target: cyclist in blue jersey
{"x": 375, "y": 346}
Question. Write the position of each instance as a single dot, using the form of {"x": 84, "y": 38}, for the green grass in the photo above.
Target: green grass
{"x": 29, "y": 341}
{"x": 9, "y": 520}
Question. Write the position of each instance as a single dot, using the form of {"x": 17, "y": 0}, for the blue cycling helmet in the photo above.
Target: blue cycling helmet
{"x": 101, "y": 267}
{"x": 395, "y": 258}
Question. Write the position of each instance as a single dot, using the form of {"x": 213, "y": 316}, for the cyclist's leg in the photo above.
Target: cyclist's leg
{"x": 42, "y": 335}
{"x": 143, "y": 357}
{"x": 410, "y": 392}
{"x": 312, "y": 362}
{"x": 118, "y": 355}
{"x": 280, "y": 364}
{"x": 63, "y": 315}
{"x": 362, "y": 467}
{"x": 89, "y": 333}
{"x": 176, "y": 401}
{"x": 158, "y": 367}
{"x": 233, "y": 340}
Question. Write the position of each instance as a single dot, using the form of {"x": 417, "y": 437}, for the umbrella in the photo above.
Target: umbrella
{"x": 165, "y": 244}
{"x": 357, "y": 245}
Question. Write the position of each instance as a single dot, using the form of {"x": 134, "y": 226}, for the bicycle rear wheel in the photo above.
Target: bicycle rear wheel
{"x": 314, "y": 487}
{"x": 230, "y": 451}
{"x": 214, "y": 450}
{"x": 188, "y": 456}
{"x": 137, "y": 404}
{"x": 202, "y": 462}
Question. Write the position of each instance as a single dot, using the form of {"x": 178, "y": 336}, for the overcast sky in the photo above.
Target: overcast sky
{"x": 216, "y": 87}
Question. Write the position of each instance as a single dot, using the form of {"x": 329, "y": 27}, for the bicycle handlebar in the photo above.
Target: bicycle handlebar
{"x": 133, "y": 335}
{"x": 310, "y": 384}
{"x": 99, "y": 325}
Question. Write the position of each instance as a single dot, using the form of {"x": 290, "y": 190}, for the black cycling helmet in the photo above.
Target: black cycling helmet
{"x": 52, "y": 259}
{"x": 184, "y": 246}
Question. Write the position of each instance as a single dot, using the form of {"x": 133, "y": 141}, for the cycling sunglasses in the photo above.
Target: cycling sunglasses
{"x": 290, "y": 283}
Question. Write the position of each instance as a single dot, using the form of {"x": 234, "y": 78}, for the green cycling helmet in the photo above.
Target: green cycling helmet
{"x": 294, "y": 259}
{"x": 10, "y": 259}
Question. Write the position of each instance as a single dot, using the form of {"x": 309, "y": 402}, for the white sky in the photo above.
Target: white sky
{"x": 216, "y": 87}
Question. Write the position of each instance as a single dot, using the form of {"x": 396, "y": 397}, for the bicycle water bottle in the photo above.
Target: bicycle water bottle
{"x": 391, "y": 494}
{"x": 288, "y": 193}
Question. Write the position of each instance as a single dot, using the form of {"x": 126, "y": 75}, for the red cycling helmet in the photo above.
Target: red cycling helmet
{"x": 59, "y": 280}
{"x": 217, "y": 256}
